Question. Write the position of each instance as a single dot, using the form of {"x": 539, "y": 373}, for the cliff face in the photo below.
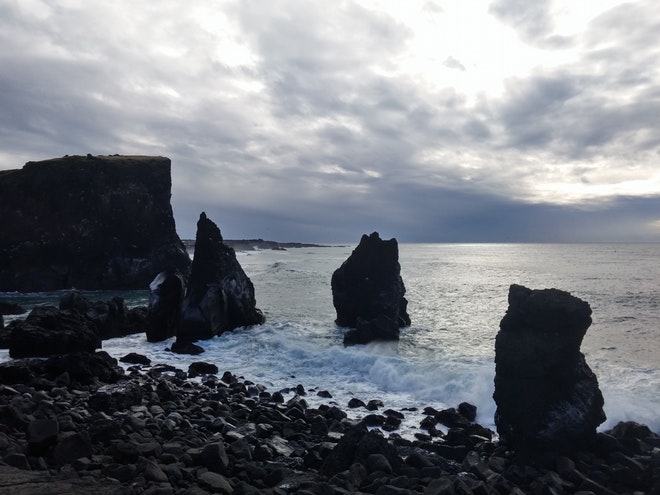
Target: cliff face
{"x": 94, "y": 222}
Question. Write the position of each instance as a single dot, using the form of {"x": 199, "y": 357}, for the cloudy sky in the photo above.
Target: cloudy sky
{"x": 309, "y": 120}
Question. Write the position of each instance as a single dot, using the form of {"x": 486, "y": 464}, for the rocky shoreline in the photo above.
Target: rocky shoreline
{"x": 257, "y": 244}
{"x": 79, "y": 423}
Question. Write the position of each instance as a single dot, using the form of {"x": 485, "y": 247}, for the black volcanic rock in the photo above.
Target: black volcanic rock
{"x": 368, "y": 291}
{"x": 8, "y": 308}
{"x": 47, "y": 331}
{"x": 547, "y": 396}
{"x": 220, "y": 296}
{"x": 379, "y": 328}
{"x": 109, "y": 319}
{"x": 165, "y": 297}
{"x": 78, "y": 424}
{"x": 77, "y": 325}
{"x": 95, "y": 222}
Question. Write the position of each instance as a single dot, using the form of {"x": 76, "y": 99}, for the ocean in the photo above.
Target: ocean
{"x": 457, "y": 296}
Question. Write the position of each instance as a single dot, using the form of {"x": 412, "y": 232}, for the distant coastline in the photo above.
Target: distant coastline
{"x": 256, "y": 244}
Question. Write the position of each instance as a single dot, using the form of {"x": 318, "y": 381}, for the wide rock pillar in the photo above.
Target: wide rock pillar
{"x": 547, "y": 396}
{"x": 368, "y": 292}
{"x": 90, "y": 222}
{"x": 220, "y": 296}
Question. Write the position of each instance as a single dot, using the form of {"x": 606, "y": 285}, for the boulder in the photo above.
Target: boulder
{"x": 164, "y": 312}
{"x": 9, "y": 308}
{"x": 547, "y": 397}
{"x": 357, "y": 445}
{"x": 94, "y": 222}
{"x": 368, "y": 291}
{"x": 47, "y": 331}
{"x": 220, "y": 296}
{"x": 83, "y": 368}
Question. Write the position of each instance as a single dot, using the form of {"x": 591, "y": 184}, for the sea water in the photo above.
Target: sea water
{"x": 457, "y": 296}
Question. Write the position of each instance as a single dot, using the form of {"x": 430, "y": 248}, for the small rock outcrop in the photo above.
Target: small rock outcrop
{"x": 78, "y": 325}
{"x": 94, "y": 222}
{"x": 547, "y": 396}
{"x": 164, "y": 313}
{"x": 7, "y": 309}
{"x": 368, "y": 292}
{"x": 47, "y": 331}
{"x": 220, "y": 296}
{"x": 109, "y": 319}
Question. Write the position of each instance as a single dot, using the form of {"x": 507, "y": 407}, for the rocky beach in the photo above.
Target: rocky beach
{"x": 80, "y": 423}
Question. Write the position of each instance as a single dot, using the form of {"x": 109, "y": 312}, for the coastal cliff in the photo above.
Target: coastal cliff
{"x": 90, "y": 222}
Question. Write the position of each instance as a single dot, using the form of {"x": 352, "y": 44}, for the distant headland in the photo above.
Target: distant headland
{"x": 256, "y": 244}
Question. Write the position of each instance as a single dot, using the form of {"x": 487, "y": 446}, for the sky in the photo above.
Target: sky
{"x": 317, "y": 121}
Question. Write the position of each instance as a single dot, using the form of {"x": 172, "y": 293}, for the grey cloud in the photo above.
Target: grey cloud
{"x": 532, "y": 109}
{"x": 452, "y": 63}
{"x": 603, "y": 100}
{"x": 324, "y": 146}
{"x": 531, "y": 19}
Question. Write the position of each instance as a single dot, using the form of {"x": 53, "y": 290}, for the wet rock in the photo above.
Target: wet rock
{"x": 109, "y": 319}
{"x": 200, "y": 368}
{"x": 10, "y": 308}
{"x": 164, "y": 311}
{"x": 183, "y": 347}
{"x": 220, "y": 296}
{"x": 135, "y": 358}
{"x": 468, "y": 411}
{"x": 82, "y": 368}
{"x": 355, "y": 402}
{"x": 47, "y": 331}
{"x": 547, "y": 396}
{"x": 368, "y": 287}
{"x": 379, "y": 328}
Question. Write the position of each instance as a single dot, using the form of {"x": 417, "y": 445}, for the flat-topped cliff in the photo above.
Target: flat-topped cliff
{"x": 90, "y": 222}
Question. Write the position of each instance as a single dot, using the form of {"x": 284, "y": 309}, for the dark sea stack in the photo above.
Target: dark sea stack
{"x": 94, "y": 222}
{"x": 220, "y": 296}
{"x": 368, "y": 291}
{"x": 547, "y": 396}
{"x": 164, "y": 312}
